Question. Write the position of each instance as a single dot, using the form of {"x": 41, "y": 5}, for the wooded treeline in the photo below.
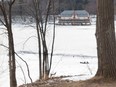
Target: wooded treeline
{"x": 20, "y": 7}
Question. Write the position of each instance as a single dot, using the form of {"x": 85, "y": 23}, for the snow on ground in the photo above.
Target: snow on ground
{"x": 73, "y": 44}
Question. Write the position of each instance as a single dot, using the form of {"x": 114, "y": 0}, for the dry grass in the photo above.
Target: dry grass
{"x": 94, "y": 82}
{"x": 57, "y": 82}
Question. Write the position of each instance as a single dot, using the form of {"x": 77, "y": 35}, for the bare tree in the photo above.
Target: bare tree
{"x": 6, "y": 8}
{"x": 41, "y": 19}
{"x": 105, "y": 35}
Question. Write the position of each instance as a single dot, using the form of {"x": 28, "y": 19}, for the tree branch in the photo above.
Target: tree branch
{"x": 23, "y": 61}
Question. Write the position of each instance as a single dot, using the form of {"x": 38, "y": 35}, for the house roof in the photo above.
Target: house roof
{"x": 79, "y": 13}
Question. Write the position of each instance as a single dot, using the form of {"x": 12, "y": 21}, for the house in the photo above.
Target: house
{"x": 74, "y": 17}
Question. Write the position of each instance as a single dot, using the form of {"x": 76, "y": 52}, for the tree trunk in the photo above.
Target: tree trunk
{"x": 6, "y": 9}
{"x": 12, "y": 65}
{"x": 105, "y": 36}
{"x": 45, "y": 61}
{"x": 39, "y": 49}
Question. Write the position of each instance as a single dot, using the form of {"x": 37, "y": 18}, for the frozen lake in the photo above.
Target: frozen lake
{"x": 73, "y": 44}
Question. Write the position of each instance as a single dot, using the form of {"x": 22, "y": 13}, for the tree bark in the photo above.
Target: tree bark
{"x": 105, "y": 36}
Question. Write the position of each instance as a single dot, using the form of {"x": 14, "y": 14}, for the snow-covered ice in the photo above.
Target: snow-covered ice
{"x": 73, "y": 44}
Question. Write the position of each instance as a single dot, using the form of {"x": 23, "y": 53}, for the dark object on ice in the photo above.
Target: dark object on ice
{"x": 84, "y": 62}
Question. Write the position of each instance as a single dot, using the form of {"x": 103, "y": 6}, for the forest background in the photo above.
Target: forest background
{"x": 20, "y": 7}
